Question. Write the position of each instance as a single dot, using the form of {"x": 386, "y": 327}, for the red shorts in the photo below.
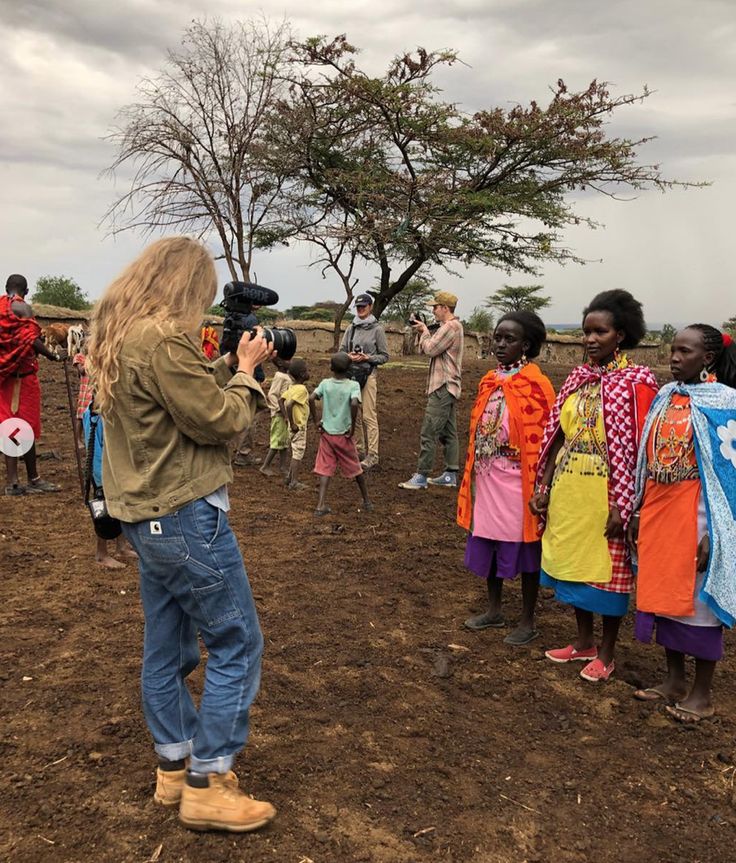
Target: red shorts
{"x": 28, "y": 397}
{"x": 337, "y": 450}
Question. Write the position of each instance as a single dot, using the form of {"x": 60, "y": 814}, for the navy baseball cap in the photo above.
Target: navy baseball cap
{"x": 363, "y": 300}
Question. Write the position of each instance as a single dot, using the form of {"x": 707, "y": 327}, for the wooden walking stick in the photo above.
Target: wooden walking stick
{"x": 75, "y": 430}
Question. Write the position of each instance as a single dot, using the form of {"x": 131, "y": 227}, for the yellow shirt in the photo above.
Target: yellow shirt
{"x": 298, "y": 394}
{"x": 574, "y": 547}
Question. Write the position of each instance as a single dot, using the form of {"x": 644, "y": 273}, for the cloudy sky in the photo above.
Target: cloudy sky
{"x": 69, "y": 65}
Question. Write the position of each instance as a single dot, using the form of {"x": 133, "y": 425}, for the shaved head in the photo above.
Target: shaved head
{"x": 16, "y": 284}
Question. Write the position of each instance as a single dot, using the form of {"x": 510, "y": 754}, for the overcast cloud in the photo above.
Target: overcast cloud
{"x": 69, "y": 65}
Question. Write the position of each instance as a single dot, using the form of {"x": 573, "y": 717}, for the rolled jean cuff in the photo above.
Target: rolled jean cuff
{"x": 211, "y": 765}
{"x": 174, "y": 751}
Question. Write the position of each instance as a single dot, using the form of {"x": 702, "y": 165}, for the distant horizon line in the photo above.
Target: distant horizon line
{"x": 651, "y": 325}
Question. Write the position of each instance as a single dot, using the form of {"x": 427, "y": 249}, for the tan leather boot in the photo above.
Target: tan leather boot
{"x": 169, "y": 784}
{"x": 222, "y": 806}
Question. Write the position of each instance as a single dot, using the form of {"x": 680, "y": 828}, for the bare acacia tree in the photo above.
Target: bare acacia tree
{"x": 196, "y": 140}
{"x": 341, "y": 258}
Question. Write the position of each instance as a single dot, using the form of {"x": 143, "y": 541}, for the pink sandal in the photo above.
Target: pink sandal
{"x": 597, "y": 672}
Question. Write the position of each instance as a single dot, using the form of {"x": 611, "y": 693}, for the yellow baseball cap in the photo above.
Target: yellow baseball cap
{"x": 443, "y": 298}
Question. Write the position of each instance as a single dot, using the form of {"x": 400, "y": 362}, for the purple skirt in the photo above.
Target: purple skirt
{"x": 511, "y": 557}
{"x": 702, "y": 642}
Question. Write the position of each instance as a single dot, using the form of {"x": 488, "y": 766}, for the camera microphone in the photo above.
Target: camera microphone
{"x": 249, "y": 292}
{"x": 238, "y": 301}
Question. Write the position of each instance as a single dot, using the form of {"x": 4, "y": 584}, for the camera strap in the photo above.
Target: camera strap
{"x": 89, "y": 481}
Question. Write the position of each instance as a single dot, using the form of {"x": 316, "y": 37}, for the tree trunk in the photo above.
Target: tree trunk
{"x": 339, "y": 315}
{"x": 390, "y": 289}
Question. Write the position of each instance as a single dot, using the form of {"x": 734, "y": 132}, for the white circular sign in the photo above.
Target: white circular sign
{"x": 16, "y": 437}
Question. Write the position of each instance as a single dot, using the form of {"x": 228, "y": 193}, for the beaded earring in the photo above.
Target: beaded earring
{"x": 704, "y": 375}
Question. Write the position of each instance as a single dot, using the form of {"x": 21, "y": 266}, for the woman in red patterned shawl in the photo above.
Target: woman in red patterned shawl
{"x": 506, "y": 427}
{"x": 20, "y": 392}
{"x": 586, "y": 479}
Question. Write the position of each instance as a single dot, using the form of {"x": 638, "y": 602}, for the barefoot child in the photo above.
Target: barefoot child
{"x": 279, "y": 436}
{"x": 294, "y": 406}
{"x": 340, "y": 397}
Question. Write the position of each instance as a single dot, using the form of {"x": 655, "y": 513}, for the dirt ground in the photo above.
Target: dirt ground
{"x": 383, "y": 732}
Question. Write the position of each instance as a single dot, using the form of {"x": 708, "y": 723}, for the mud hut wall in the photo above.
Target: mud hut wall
{"x": 315, "y": 337}
{"x": 567, "y": 351}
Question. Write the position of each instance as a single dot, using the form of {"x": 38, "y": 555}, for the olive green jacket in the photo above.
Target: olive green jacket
{"x": 172, "y": 416}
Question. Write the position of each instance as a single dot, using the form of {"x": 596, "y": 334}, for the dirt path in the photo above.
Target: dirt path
{"x": 383, "y": 733}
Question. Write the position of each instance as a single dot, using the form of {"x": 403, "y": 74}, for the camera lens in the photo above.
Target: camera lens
{"x": 282, "y": 339}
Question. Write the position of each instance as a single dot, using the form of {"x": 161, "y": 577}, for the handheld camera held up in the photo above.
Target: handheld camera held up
{"x": 238, "y": 302}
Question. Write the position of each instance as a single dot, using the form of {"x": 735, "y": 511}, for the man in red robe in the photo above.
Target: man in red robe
{"x": 20, "y": 392}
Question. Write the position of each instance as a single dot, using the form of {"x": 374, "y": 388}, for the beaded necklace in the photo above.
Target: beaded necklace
{"x": 673, "y": 453}
{"x": 619, "y": 361}
{"x": 514, "y": 367}
{"x": 487, "y": 445}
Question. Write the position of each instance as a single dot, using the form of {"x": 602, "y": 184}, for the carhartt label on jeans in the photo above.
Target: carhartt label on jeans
{"x": 155, "y": 528}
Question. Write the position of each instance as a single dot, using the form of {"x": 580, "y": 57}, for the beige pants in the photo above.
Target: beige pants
{"x": 368, "y": 417}
{"x": 298, "y": 442}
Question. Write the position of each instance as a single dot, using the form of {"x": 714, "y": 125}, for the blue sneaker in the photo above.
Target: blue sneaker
{"x": 447, "y": 479}
{"x": 419, "y": 480}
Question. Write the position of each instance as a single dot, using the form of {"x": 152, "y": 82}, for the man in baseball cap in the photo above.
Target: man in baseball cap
{"x": 443, "y": 298}
{"x": 365, "y": 342}
{"x": 445, "y": 347}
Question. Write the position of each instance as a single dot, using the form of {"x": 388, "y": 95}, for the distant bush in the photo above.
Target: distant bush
{"x": 60, "y": 291}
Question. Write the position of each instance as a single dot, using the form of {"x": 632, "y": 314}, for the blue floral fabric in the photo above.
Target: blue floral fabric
{"x": 713, "y": 410}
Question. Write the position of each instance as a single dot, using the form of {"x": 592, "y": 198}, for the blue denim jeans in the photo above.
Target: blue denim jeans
{"x": 193, "y": 580}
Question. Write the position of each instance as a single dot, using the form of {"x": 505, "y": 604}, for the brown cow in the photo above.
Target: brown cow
{"x": 55, "y": 336}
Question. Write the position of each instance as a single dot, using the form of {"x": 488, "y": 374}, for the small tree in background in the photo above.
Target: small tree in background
{"x": 315, "y": 314}
{"x": 413, "y": 298}
{"x": 667, "y": 334}
{"x": 296, "y": 313}
{"x": 518, "y": 298}
{"x": 268, "y": 315}
{"x": 60, "y": 291}
{"x": 730, "y": 326}
{"x": 480, "y": 321}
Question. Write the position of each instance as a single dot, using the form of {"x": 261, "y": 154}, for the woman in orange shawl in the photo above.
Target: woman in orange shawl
{"x": 506, "y": 427}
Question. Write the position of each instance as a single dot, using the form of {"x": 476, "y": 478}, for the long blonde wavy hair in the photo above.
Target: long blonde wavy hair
{"x": 172, "y": 281}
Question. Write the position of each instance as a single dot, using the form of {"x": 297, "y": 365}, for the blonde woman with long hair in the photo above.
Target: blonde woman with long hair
{"x": 168, "y": 417}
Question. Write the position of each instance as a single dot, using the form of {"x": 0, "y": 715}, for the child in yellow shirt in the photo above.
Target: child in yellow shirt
{"x": 294, "y": 405}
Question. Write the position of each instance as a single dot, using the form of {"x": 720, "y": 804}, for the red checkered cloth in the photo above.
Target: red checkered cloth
{"x": 17, "y": 335}
{"x": 622, "y": 577}
{"x": 84, "y": 397}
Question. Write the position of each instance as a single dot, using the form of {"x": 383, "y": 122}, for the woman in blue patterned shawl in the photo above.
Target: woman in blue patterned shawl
{"x": 685, "y": 530}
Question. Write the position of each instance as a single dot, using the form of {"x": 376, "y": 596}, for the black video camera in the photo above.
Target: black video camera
{"x": 416, "y": 318}
{"x": 238, "y": 302}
